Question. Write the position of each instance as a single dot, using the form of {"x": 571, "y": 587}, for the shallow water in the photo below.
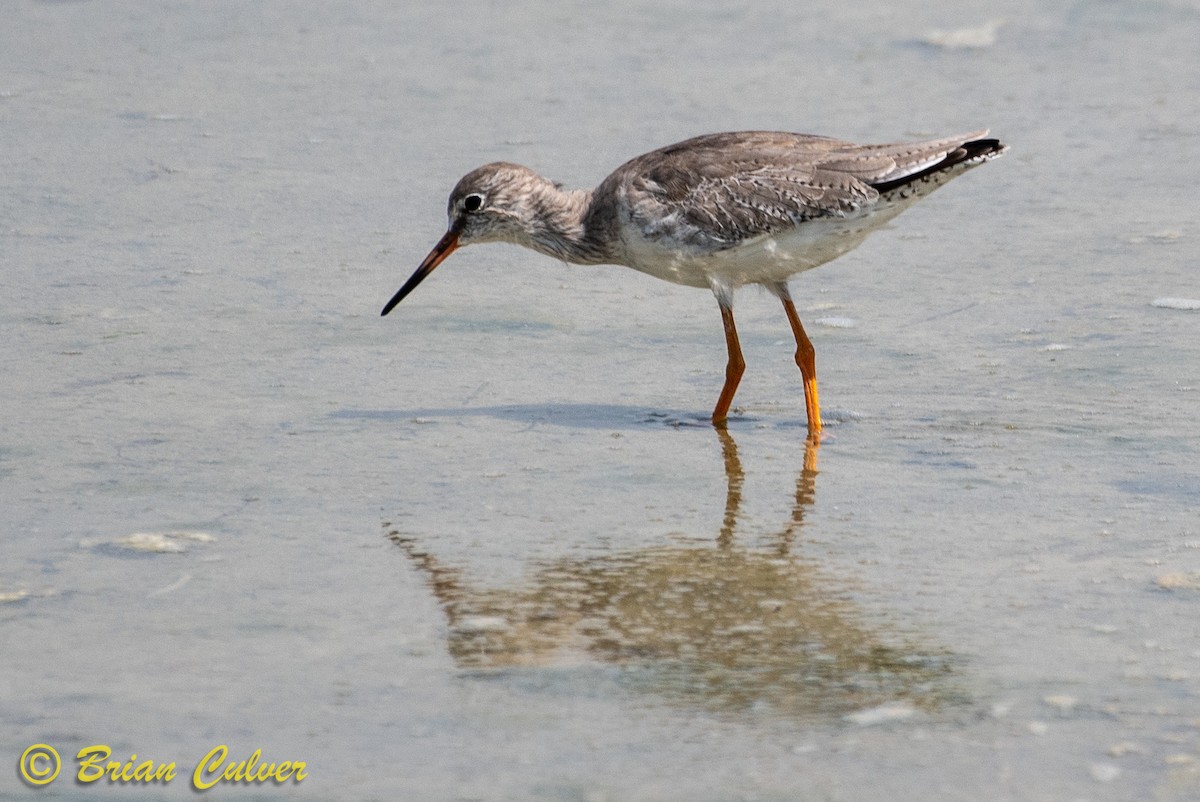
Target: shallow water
{"x": 487, "y": 548}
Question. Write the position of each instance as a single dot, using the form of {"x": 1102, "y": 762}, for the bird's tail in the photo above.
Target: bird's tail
{"x": 975, "y": 149}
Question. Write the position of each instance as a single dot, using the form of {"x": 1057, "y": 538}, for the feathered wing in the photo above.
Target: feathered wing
{"x": 726, "y": 188}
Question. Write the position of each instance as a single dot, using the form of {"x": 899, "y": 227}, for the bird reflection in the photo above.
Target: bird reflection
{"x": 724, "y": 627}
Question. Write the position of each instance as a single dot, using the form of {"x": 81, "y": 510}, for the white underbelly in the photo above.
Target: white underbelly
{"x": 769, "y": 259}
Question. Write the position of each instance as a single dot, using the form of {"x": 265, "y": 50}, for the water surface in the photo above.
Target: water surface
{"x": 486, "y": 548}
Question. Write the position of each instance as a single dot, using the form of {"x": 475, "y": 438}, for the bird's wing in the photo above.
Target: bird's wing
{"x": 725, "y": 188}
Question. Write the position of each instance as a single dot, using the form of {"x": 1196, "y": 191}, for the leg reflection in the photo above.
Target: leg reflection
{"x": 735, "y": 478}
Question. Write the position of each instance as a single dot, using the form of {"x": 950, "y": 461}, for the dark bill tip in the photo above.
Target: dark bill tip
{"x": 446, "y": 245}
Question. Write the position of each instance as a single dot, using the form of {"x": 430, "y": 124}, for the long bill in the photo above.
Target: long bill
{"x": 446, "y": 246}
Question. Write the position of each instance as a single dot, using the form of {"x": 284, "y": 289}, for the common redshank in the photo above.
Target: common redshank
{"x": 717, "y": 211}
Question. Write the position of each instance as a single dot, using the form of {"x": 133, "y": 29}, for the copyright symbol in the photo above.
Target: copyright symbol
{"x": 40, "y": 764}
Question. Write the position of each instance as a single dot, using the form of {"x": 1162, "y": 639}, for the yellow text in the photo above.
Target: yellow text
{"x": 94, "y": 764}
{"x": 212, "y": 770}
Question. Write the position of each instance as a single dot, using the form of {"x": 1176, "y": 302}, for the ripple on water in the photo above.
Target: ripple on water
{"x": 148, "y": 543}
{"x": 1186, "y": 304}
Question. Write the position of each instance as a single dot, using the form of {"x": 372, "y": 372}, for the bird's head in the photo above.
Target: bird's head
{"x": 493, "y": 203}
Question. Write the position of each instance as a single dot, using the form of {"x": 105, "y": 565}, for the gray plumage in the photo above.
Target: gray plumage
{"x": 717, "y": 211}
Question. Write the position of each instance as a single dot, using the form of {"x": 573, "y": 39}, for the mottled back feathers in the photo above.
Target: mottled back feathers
{"x": 730, "y": 187}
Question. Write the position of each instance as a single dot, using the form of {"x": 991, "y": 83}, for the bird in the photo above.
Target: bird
{"x": 717, "y": 211}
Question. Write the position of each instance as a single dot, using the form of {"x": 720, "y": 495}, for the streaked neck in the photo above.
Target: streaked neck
{"x": 556, "y": 222}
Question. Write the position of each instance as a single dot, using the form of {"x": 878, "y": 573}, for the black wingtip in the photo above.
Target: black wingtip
{"x": 967, "y": 151}
{"x": 975, "y": 148}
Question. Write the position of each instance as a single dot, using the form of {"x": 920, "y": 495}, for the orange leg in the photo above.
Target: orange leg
{"x": 806, "y": 359}
{"x": 733, "y": 369}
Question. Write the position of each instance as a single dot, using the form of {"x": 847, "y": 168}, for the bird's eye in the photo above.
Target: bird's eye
{"x": 473, "y": 203}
